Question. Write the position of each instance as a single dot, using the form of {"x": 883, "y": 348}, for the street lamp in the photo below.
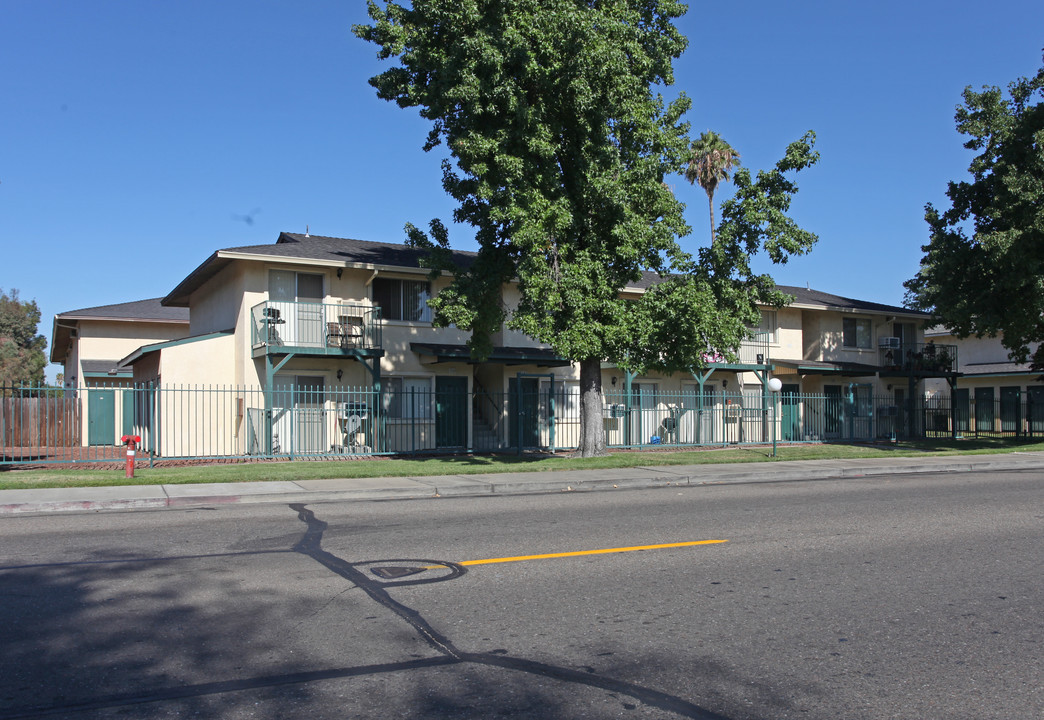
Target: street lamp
{"x": 775, "y": 385}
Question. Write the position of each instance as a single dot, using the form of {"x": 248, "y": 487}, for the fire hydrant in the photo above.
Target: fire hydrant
{"x": 131, "y": 441}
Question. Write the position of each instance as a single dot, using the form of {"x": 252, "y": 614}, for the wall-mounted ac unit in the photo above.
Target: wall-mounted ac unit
{"x": 358, "y": 409}
{"x": 889, "y": 342}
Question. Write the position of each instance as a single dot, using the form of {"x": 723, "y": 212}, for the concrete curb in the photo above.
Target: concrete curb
{"x": 95, "y": 499}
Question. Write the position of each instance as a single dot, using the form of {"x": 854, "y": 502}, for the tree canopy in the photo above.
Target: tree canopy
{"x": 983, "y": 269}
{"x": 561, "y": 144}
{"x": 22, "y": 358}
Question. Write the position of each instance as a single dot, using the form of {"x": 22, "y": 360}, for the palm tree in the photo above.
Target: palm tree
{"x": 712, "y": 160}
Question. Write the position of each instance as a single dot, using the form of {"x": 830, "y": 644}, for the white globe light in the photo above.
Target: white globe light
{"x": 775, "y": 384}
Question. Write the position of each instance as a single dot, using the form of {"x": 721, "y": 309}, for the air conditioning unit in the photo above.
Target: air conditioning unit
{"x": 890, "y": 342}
{"x": 357, "y": 409}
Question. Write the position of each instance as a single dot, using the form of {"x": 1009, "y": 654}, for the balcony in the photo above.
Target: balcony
{"x": 315, "y": 329}
{"x": 917, "y": 358}
{"x": 753, "y": 351}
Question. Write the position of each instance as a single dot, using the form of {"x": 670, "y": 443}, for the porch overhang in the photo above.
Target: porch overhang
{"x": 442, "y": 353}
{"x": 824, "y": 367}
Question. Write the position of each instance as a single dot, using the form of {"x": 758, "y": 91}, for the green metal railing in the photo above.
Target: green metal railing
{"x": 323, "y": 328}
{"x": 57, "y": 425}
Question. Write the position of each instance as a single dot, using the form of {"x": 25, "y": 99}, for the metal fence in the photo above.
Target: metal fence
{"x": 224, "y": 422}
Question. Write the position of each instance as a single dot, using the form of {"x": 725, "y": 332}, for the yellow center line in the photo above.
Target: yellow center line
{"x": 603, "y": 551}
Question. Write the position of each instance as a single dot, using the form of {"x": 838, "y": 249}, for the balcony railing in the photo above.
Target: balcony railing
{"x": 753, "y": 351}
{"x": 325, "y": 328}
{"x": 917, "y": 357}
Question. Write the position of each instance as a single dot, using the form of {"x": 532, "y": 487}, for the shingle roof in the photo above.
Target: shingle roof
{"x": 150, "y": 309}
{"x": 807, "y": 296}
{"x": 364, "y": 252}
{"x": 102, "y": 367}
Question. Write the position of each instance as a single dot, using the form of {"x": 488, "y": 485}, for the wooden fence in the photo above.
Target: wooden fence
{"x": 45, "y": 421}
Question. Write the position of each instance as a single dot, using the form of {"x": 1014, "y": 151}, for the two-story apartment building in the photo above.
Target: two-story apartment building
{"x": 319, "y": 344}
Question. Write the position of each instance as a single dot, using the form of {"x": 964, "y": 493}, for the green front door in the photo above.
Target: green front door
{"x": 101, "y": 417}
{"x": 128, "y": 413}
{"x": 790, "y": 412}
{"x": 1010, "y": 415}
{"x": 832, "y": 411}
{"x": 984, "y": 410}
{"x": 1035, "y": 409}
{"x": 962, "y": 409}
{"x": 524, "y": 412}
{"x": 451, "y": 412}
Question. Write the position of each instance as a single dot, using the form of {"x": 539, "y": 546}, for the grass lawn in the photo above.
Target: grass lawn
{"x": 17, "y": 477}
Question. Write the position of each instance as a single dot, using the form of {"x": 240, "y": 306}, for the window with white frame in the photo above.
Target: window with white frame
{"x": 856, "y": 333}
{"x": 407, "y": 398}
{"x": 402, "y": 299}
{"x": 768, "y": 325}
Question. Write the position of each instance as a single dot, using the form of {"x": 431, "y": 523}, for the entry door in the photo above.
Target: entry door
{"x": 298, "y": 415}
{"x": 832, "y": 411}
{"x": 790, "y": 412}
{"x": 101, "y": 417}
{"x": 1010, "y": 415}
{"x": 1035, "y": 409}
{"x": 309, "y": 408}
{"x": 646, "y": 420}
{"x": 962, "y": 409}
{"x": 451, "y": 412}
{"x": 698, "y": 427}
{"x": 985, "y": 412}
{"x": 524, "y": 412}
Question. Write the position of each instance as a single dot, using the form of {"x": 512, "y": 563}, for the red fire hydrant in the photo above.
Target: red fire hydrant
{"x": 131, "y": 441}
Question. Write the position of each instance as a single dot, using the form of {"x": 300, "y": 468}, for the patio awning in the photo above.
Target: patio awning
{"x": 825, "y": 367}
{"x": 542, "y": 357}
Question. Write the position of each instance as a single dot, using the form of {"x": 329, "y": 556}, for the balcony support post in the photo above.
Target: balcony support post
{"x": 271, "y": 369}
{"x": 373, "y": 364}
{"x": 701, "y": 378}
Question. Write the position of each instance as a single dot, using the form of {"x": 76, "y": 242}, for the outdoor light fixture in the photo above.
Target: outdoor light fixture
{"x": 340, "y": 373}
{"x": 339, "y": 271}
{"x": 775, "y": 384}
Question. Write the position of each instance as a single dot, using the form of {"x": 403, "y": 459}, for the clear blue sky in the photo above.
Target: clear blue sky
{"x": 138, "y": 136}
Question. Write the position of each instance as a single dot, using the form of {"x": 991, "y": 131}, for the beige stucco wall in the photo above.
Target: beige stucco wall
{"x": 114, "y": 340}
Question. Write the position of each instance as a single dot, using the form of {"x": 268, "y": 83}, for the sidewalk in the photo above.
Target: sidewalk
{"x": 136, "y": 497}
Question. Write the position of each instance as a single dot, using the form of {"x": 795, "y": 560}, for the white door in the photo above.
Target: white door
{"x": 298, "y": 415}
{"x": 698, "y": 427}
{"x": 645, "y": 419}
{"x": 299, "y": 299}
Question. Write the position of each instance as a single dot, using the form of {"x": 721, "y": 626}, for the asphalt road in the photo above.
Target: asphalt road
{"x": 884, "y": 597}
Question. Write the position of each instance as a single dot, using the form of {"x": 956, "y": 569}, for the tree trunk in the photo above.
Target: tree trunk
{"x": 710, "y": 201}
{"x": 592, "y": 428}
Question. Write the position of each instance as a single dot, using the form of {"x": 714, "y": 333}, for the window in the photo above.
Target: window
{"x": 408, "y": 398}
{"x": 290, "y": 286}
{"x": 402, "y": 299}
{"x": 768, "y": 325}
{"x": 856, "y": 333}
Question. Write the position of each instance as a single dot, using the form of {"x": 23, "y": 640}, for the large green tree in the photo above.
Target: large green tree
{"x": 22, "y": 358}
{"x": 983, "y": 269}
{"x": 560, "y": 145}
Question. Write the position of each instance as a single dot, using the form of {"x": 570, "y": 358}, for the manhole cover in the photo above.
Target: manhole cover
{"x": 390, "y": 573}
